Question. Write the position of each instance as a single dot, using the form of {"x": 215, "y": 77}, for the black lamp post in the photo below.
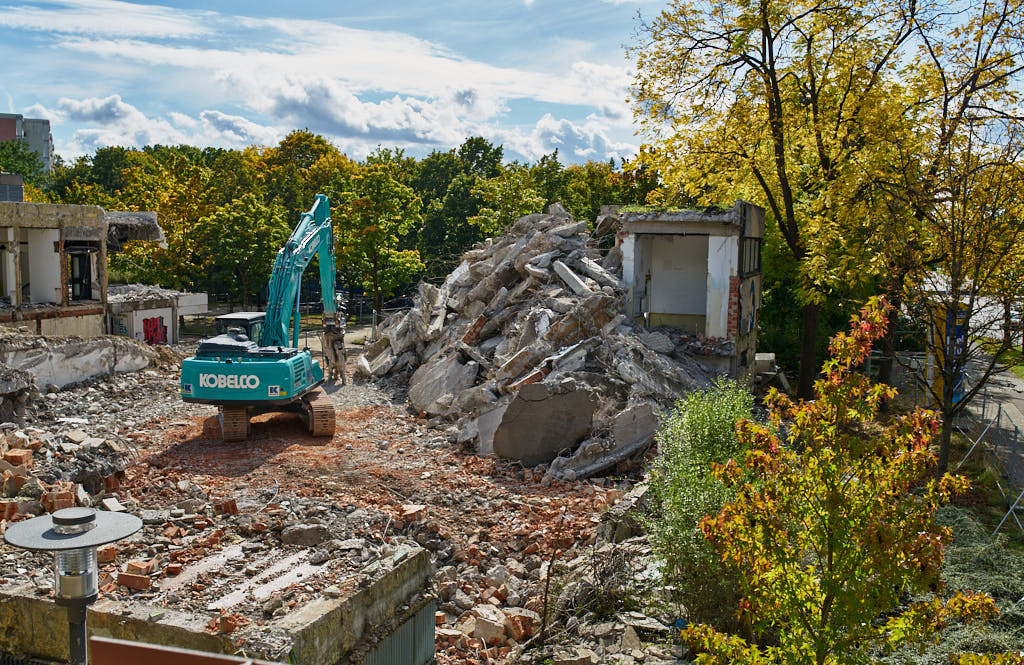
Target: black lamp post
{"x": 73, "y": 534}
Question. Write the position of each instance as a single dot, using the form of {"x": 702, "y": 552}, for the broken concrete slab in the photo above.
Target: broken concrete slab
{"x": 444, "y": 375}
{"x": 639, "y": 421}
{"x": 594, "y": 270}
{"x": 540, "y": 422}
{"x": 657, "y": 341}
{"x": 65, "y": 360}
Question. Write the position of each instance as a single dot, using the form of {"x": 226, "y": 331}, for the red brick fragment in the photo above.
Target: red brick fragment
{"x": 474, "y": 329}
{"x": 226, "y": 507}
{"x": 107, "y": 553}
{"x": 111, "y": 484}
{"x": 173, "y": 569}
{"x": 18, "y": 456}
{"x": 137, "y": 582}
{"x": 142, "y": 567}
{"x": 8, "y": 508}
{"x": 53, "y": 501}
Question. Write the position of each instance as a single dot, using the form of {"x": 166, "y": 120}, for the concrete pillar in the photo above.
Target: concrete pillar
{"x": 10, "y": 261}
{"x": 62, "y": 259}
{"x": 16, "y": 255}
{"x": 101, "y": 269}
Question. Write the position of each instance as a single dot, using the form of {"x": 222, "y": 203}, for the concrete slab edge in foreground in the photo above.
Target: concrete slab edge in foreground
{"x": 321, "y": 632}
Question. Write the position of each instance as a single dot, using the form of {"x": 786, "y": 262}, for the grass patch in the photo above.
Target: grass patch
{"x": 1012, "y": 358}
{"x": 976, "y": 561}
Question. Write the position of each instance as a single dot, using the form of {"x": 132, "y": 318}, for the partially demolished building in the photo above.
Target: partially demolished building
{"x": 541, "y": 347}
{"x": 53, "y": 272}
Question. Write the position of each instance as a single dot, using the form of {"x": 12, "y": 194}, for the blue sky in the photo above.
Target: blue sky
{"x": 533, "y": 75}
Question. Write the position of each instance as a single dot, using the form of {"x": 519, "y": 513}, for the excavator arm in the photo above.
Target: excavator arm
{"x": 313, "y": 236}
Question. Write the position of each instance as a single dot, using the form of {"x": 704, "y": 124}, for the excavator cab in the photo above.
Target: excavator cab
{"x": 251, "y": 323}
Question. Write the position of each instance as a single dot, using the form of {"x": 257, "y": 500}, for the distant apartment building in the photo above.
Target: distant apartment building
{"x": 33, "y": 131}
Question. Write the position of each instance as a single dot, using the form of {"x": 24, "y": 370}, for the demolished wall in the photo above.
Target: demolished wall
{"x": 64, "y": 360}
{"x": 525, "y": 350}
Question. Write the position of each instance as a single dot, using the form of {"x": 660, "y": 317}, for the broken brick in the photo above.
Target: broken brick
{"x": 107, "y": 553}
{"x": 132, "y": 581}
{"x": 413, "y": 511}
{"x": 18, "y": 457}
{"x": 173, "y": 569}
{"x": 474, "y": 329}
{"x": 111, "y": 484}
{"x": 8, "y": 509}
{"x": 142, "y": 567}
{"x": 226, "y": 507}
{"x": 54, "y": 501}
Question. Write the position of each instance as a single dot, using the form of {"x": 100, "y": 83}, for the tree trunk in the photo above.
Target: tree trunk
{"x": 945, "y": 436}
{"x": 808, "y": 347}
{"x": 1007, "y": 317}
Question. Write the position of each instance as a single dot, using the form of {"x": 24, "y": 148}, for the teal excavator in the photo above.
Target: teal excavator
{"x": 243, "y": 377}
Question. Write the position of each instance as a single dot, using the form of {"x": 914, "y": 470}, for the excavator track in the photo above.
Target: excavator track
{"x": 234, "y": 423}
{"x": 319, "y": 413}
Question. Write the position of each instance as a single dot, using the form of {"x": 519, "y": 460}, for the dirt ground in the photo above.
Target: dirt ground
{"x": 478, "y": 513}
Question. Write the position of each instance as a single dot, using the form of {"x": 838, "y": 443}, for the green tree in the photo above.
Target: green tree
{"x": 776, "y": 102}
{"x": 825, "y": 533}
{"x": 284, "y": 168}
{"x": 481, "y": 157}
{"x": 956, "y": 166}
{"x": 549, "y": 178}
{"x": 505, "y": 198}
{"x": 371, "y": 223}
{"x": 17, "y": 157}
{"x": 240, "y": 240}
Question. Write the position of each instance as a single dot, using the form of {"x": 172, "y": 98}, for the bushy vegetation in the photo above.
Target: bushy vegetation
{"x": 827, "y": 536}
{"x": 699, "y": 432}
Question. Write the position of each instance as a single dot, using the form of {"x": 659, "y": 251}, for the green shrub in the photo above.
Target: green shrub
{"x": 700, "y": 430}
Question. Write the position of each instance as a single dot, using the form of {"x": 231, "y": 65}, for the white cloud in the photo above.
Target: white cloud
{"x": 105, "y": 17}
{"x": 574, "y": 142}
{"x": 358, "y": 87}
{"x": 235, "y": 130}
{"x": 116, "y": 122}
{"x": 182, "y": 120}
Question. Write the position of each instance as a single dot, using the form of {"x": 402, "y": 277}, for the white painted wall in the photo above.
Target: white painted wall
{"x": 192, "y": 303}
{"x": 139, "y": 317}
{"x": 679, "y": 267}
{"x": 723, "y": 263}
{"x": 43, "y": 265}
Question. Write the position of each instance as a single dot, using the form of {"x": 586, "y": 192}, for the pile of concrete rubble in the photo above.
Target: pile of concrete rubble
{"x": 117, "y": 293}
{"x": 524, "y": 347}
{"x": 65, "y": 447}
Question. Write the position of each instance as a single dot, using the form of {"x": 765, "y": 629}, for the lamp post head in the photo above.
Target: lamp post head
{"x": 73, "y": 534}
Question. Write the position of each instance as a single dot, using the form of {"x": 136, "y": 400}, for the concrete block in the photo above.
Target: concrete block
{"x": 442, "y": 376}
{"x": 540, "y": 422}
{"x": 571, "y": 279}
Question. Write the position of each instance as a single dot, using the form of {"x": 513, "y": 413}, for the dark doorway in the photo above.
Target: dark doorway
{"x": 80, "y": 276}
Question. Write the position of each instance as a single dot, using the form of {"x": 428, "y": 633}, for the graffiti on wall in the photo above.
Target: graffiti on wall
{"x": 119, "y": 325}
{"x": 154, "y": 331}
